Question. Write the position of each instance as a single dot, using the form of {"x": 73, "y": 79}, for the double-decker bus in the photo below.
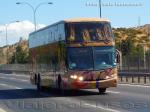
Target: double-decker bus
{"x": 74, "y": 54}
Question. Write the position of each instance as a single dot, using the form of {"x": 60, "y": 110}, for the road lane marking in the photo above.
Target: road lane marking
{"x": 17, "y": 75}
{"x": 131, "y": 85}
{"x": 95, "y": 90}
{"x": 107, "y": 91}
{"x": 21, "y": 75}
{"x": 12, "y": 78}
{"x": 114, "y": 92}
{"x": 2, "y": 110}
{"x": 24, "y": 80}
{"x": 10, "y": 86}
{"x": 100, "y": 107}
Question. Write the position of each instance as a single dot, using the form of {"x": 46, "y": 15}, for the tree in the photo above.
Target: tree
{"x": 127, "y": 46}
{"x": 20, "y": 56}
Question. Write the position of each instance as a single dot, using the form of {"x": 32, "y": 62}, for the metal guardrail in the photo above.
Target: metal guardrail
{"x": 134, "y": 77}
{"x": 14, "y": 71}
{"x": 15, "y": 68}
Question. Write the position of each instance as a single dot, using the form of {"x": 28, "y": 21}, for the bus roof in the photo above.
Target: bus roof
{"x": 74, "y": 20}
{"x": 86, "y": 20}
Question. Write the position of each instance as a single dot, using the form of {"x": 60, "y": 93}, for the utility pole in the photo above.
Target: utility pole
{"x": 99, "y": 5}
{"x": 139, "y": 21}
{"x": 100, "y": 8}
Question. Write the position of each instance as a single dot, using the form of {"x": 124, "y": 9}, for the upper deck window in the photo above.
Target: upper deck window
{"x": 89, "y": 32}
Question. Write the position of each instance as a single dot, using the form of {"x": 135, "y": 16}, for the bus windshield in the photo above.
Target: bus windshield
{"x": 80, "y": 58}
{"x": 104, "y": 57}
{"x": 91, "y": 58}
{"x": 89, "y": 32}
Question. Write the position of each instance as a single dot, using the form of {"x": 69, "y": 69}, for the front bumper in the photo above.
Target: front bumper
{"x": 93, "y": 84}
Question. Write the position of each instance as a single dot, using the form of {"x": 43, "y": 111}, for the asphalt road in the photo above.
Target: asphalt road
{"x": 18, "y": 95}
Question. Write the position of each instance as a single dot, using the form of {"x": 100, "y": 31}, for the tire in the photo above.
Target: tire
{"x": 35, "y": 79}
{"x": 60, "y": 86}
{"x": 59, "y": 79}
{"x": 38, "y": 82}
{"x": 102, "y": 90}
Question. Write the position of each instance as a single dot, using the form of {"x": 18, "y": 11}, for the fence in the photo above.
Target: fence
{"x": 135, "y": 64}
{"x": 134, "y": 78}
{"x": 17, "y": 68}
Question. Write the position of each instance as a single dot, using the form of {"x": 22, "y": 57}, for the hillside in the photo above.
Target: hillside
{"x": 145, "y": 29}
{"x": 11, "y": 50}
{"x": 135, "y": 37}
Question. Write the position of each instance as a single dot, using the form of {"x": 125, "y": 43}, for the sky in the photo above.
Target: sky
{"x": 121, "y": 13}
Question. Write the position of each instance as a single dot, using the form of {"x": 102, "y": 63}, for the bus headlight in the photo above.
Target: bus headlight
{"x": 110, "y": 76}
{"x": 80, "y": 78}
{"x": 114, "y": 75}
{"x": 73, "y": 77}
{"x": 107, "y": 77}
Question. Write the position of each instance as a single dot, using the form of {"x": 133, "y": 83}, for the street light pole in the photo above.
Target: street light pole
{"x": 34, "y": 10}
{"x": 6, "y": 30}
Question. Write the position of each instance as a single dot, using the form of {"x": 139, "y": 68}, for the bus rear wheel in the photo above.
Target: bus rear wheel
{"x": 38, "y": 82}
{"x": 102, "y": 90}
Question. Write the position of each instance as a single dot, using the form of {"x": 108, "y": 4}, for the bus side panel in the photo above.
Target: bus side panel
{"x": 45, "y": 51}
{"x": 49, "y": 60}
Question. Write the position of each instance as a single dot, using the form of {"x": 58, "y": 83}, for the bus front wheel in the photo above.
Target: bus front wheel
{"x": 60, "y": 85}
{"x": 101, "y": 90}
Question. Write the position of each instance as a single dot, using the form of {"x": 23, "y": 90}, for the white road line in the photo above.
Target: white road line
{"x": 12, "y": 78}
{"x": 114, "y": 92}
{"x": 2, "y": 110}
{"x": 132, "y": 85}
{"x": 21, "y": 75}
{"x": 17, "y": 75}
{"x": 107, "y": 91}
{"x": 100, "y": 107}
{"x": 24, "y": 80}
{"x": 9, "y": 86}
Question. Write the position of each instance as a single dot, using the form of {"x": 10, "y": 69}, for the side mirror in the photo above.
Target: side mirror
{"x": 119, "y": 59}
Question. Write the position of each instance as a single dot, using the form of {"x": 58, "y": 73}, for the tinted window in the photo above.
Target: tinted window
{"x": 79, "y": 32}
{"x": 104, "y": 57}
{"x": 91, "y": 58}
{"x": 80, "y": 58}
